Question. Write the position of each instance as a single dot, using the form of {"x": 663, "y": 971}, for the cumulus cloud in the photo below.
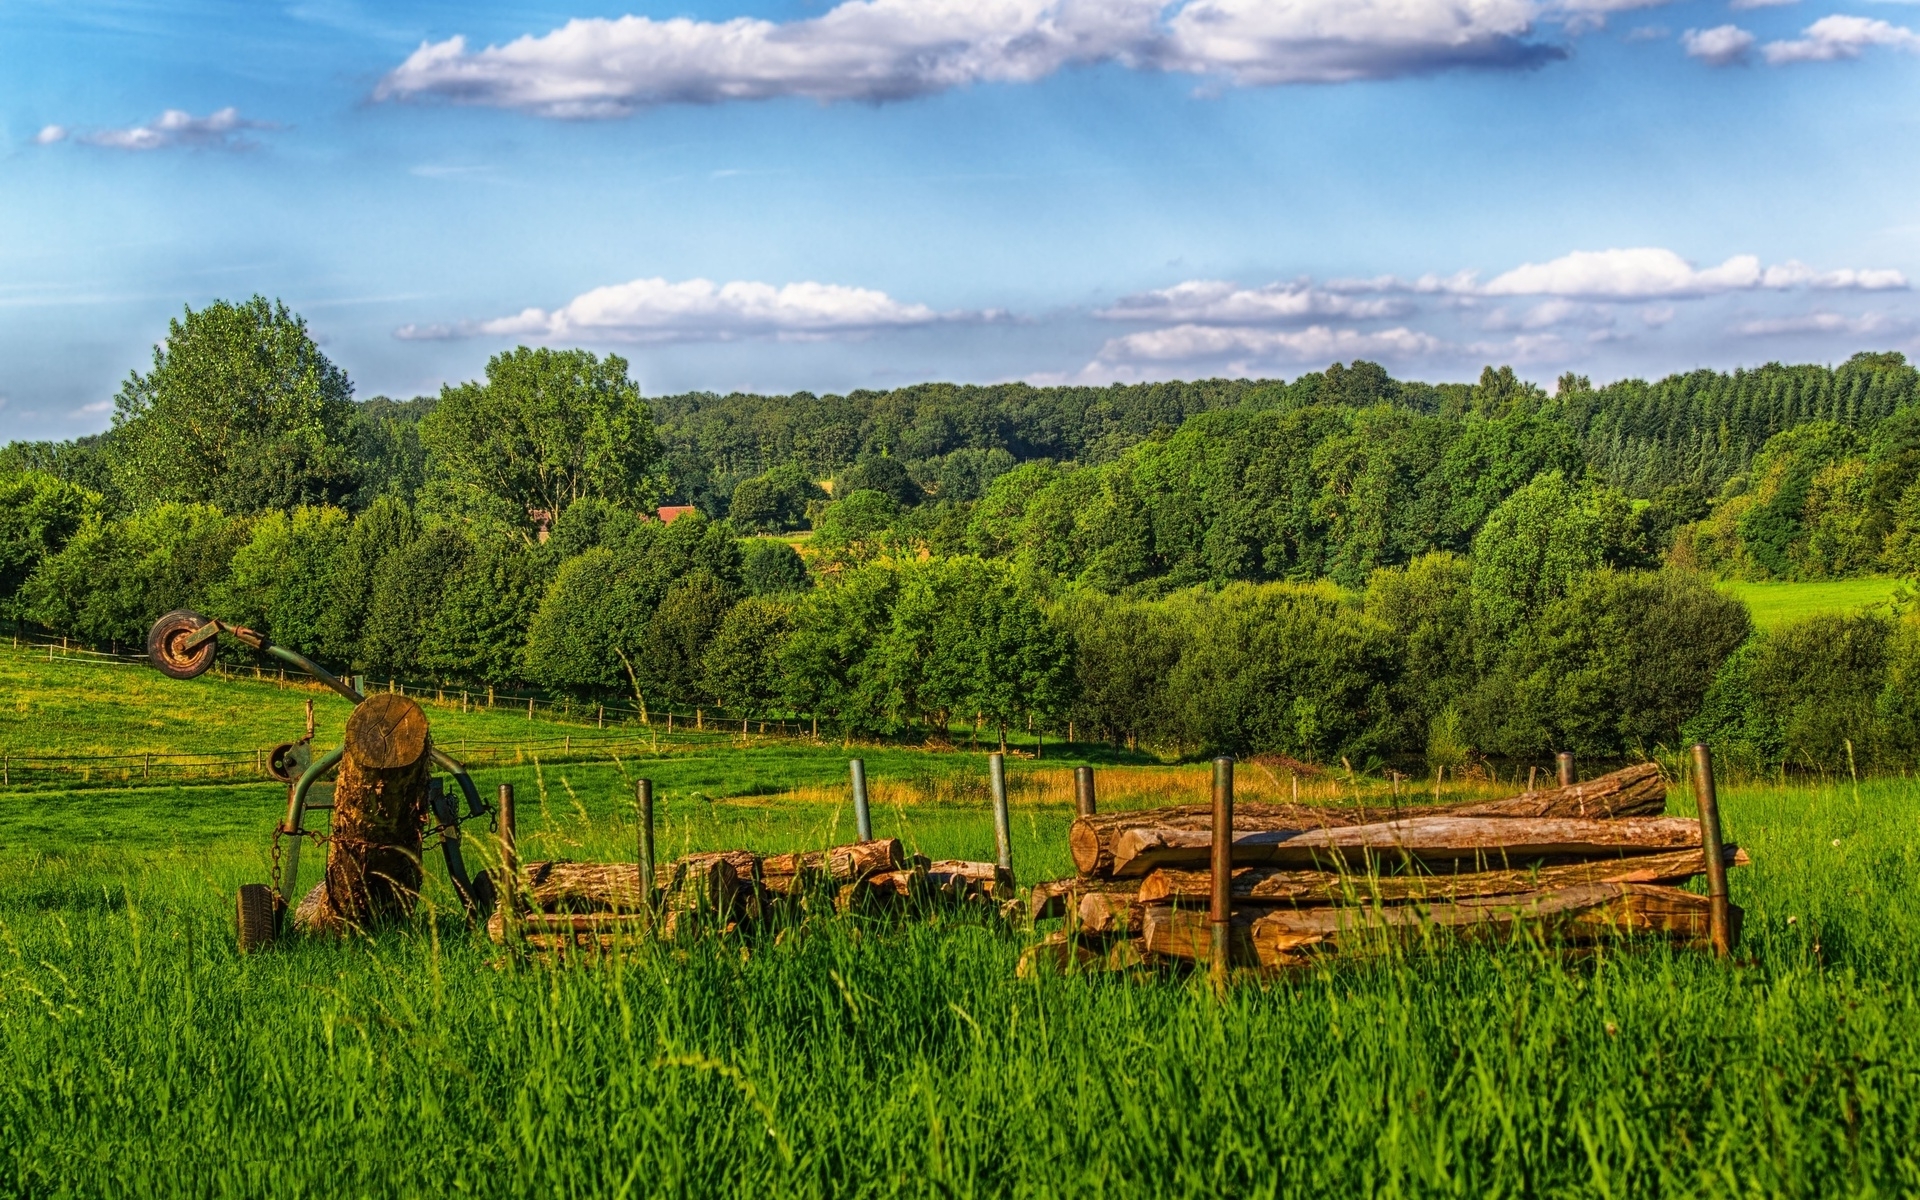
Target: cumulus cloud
{"x": 1867, "y": 324}
{"x": 1183, "y": 343}
{"x": 1649, "y": 272}
{"x": 1214, "y": 302}
{"x": 221, "y": 130}
{"x": 1838, "y": 37}
{"x": 654, "y": 310}
{"x": 878, "y": 50}
{"x": 1721, "y": 46}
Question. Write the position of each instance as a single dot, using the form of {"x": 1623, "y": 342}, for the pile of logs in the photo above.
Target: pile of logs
{"x": 597, "y": 905}
{"x": 1572, "y": 863}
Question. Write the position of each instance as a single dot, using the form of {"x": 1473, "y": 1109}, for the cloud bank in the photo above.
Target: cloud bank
{"x": 222, "y": 130}
{"x": 881, "y": 50}
{"x": 654, "y": 310}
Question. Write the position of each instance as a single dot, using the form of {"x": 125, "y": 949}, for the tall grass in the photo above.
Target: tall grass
{"x": 140, "y": 1055}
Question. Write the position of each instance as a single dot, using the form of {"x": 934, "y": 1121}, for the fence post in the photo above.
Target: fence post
{"x": 1220, "y": 913}
{"x": 600, "y": 717}
{"x": 1083, "y": 790}
{"x": 644, "y": 803}
{"x": 1566, "y": 768}
{"x": 862, "y": 816}
{"x": 1719, "y": 922}
{"x": 509, "y": 865}
{"x": 1002, "y": 826}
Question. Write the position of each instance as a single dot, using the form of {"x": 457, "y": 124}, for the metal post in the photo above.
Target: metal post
{"x": 1566, "y": 768}
{"x": 862, "y": 817}
{"x": 1002, "y": 826}
{"x": 1221, "y": 910}
{"x": 1720, "y": 927}
{"x": 509, "y": 862}
{"x": 644, "y": 803}
{"x": 1083, "y": 790}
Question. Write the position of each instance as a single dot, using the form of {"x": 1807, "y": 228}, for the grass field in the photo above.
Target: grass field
{"x": 1775, "y": 603}
{"x": 140, "y": 1055}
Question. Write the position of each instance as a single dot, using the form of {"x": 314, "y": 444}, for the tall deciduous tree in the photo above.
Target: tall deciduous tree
{"x": 241, "y": 410}
{"x": 548, "y": 428}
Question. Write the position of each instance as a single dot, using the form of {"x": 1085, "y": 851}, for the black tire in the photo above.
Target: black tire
{"x": 164, "y": 649}
{"x": 256, "y": 917}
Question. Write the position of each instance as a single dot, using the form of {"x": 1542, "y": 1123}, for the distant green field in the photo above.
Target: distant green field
{"x": 1778, "y": 603}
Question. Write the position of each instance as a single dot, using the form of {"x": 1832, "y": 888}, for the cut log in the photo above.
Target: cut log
{"x": 790, "y": 874}
{"x": 563, "y": 886}
{"x": 1284, "y": 885}
{"x": 1638, "y": 790}
{"x": 1058, "y": 897}
{"x": 1109, "y": 912}
{"x": 379, "y": 812}
{"x": 1582, "y": 913}
{"x": 1501, "y": 842}
{"x": 959, "y": 879}
{"x": 1064, "y": 952}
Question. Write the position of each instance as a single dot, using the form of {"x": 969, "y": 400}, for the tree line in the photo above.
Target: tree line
{"x": 1344, "y": 566}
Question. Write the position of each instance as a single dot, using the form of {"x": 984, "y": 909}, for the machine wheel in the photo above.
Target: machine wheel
{"x": 165, "y": 647}
{"x": 256, "y": 917}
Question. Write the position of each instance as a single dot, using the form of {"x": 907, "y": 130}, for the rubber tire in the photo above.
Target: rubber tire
{"x": 256, "y": 917}
{"x": 169, "y": 630}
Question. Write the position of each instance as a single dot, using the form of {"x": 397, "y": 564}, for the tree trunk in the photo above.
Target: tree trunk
{"x": 1633, "y": 791}
{"x": 1489, "y": 841}
{"x": 1287, "y": 937}
{"x": 1280, "y": 885}
{"x": 379, "y": 810}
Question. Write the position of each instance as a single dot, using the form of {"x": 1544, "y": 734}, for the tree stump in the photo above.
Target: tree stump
{"x": 379, "y": 809}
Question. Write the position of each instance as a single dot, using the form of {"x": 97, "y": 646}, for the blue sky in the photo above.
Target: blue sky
{"x": 779, "y": 195}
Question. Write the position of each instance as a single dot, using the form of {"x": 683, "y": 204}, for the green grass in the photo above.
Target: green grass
{"x": 1775, "y": 603}
{"x": 140, "y": 1055}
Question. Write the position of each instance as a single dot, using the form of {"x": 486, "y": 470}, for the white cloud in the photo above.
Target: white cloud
{"x": 1648, "y": 272}
{"x": 877, "y": 50}
{"x": 1867, "y": 324}
{"x": 1721, "y": 46}
{"x": 1214, "y": 302}
{"x": 1182, "y": 343}
{"x": 1460, "y": 283}
{"x": 1550, "y": 314}
{"x": 1837, "y": 37}
{"x": 222, "y": 130}
{"x": 654, "y": 310}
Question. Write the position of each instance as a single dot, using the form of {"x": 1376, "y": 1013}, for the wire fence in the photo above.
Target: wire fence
{"x": 590, "y": 730}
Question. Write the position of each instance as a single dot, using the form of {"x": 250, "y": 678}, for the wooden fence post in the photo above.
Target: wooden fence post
{"x": 509, "y": 892}
{"x": 1220, "y": 912}
{"x": 862, "y": 815}
{"x": 1002, "y": 825}
{"x": 644, "y": 806}
{"x": 1720, "y": 923}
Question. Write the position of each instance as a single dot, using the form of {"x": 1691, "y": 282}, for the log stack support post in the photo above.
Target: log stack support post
{"x": 509, "y": 889}
{"x": 1083, "y": 790}
{"x": 1002, "y": 825}
{"x": 862, "y": 815}
{"x": 643, "y": 809}
{"x": 1220, "y": 912}
{"x": 1565, "y": 760}
{"x": 1720, "y": 929}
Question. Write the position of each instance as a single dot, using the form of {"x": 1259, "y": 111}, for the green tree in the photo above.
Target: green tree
{"x": 386, "y": 528}
{"x": 679, "y": 631}
{"x": 281, "y": 581}
{"x": 774, "y": 502}
{"x": 1539, "y": 541}
{"x": 113, "y": 578}
{"x": 479, "y": 631}
{"x": 408, "y": 596}
{"x": 770, "y": 568}
{"x": 741, "y": 665}
{"x": 857, "y": 528}
{"x": 831, "y": 663}
{"x": 39, "y": 513}
{"x": 548, "y": 428}
{"x": 241, "y": 410}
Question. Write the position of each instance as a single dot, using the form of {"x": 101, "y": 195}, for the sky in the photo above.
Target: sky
{"x": 777, "y": 195}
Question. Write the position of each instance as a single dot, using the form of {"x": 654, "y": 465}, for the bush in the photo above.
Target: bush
{"x": 1799, "y": 693}
{"x": 770, "y": 568}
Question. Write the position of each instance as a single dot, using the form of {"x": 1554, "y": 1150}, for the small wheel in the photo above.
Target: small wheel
{"x": 166, "y": 645}
{"x": 255, "y": 918}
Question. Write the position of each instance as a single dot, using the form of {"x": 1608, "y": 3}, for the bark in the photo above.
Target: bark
{"x": 1282, "y": 885}
{"x": 1065, "y": 952}
{"x": 958, "y": 879}
{"x": 1109, "y": 912}
{"x": 1582, "y": 913}
{"x": 379, "y": 811}
{"x": 790, "y": 874}
{"x": 584, "y": 886}
{"x": 1638, "y": 790}
{"x": 1058, "y": 897}
{"x": 1489, "y": 841}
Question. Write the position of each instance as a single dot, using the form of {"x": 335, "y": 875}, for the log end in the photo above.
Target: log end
{"x": 387, "y": 732}
{"x": 1083, "y": 840}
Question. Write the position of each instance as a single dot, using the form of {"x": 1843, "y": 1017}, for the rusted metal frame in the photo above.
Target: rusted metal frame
{"x": 258, "y": 641}
{"x": 296, "y": 815}
{"x": 1220, "y": 910}
{"x": 447, "y": 813}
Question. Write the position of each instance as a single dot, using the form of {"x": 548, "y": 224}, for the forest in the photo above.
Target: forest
{"x": 1344, "y": 566}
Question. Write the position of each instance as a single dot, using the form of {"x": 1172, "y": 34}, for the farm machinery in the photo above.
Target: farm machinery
{"x": 383, "y": 805}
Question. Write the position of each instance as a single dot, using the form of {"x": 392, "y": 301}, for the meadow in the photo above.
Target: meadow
{"x": 141, "y": 1055}
{"x": 1776, "y": 602}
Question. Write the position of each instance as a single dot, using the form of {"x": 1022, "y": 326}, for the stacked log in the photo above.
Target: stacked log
{"x": 1570, "y": 864}
{"x": 596, "y": 905}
